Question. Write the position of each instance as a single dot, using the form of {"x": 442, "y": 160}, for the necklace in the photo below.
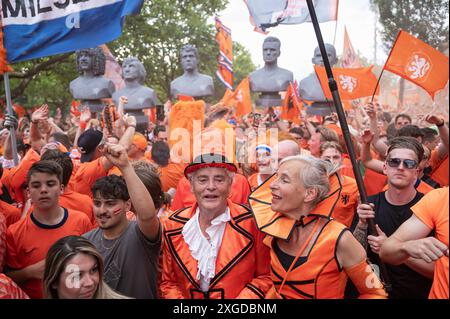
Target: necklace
{"x": 102, "y": 241}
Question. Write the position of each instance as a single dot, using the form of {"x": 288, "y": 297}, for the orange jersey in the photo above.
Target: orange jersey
{"x": 240, "y": 190}
{"x": 87, "y": 174}
{"x": 439, "y": 168}
{"x": 347, "y": 168}
{"x": 345, "y": 208}
{"x": 28, "y": 241}
{"x": 9, "y": 289}
{"x": 12, "y": 214}
{"x": 16, "y": 178}
{"x": 374, "y": 182}
{"x": 3, "y": 229}
{"x": 170, "y": 175}
{"x": 80, "y": 202}
{"x": 432, "y": 210}
{"x": 242, "y": 264}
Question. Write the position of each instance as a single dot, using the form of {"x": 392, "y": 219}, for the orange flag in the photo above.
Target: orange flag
{"x": 352, "y": 83}
{"x": 291, "y": 106}
{"x": 240, "y": 98}
{"x": 349, "y": 57}
{"x": 4, "y": 67}
{"x": 418, "y": 62}
{"x": 225, "y": 57}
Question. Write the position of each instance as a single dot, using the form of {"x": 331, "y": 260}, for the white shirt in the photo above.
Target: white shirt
{"x": 202, "y": 250}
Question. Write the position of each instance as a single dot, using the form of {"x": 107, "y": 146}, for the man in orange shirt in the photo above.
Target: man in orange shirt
{"x": 170, "y": 173}
{"x": 439, "y": 156}
{"x": 412, "y": 239}
{"x": 138, "y": 147}
{"x": 69, "y": 198}
{"x": 48, "y": 222}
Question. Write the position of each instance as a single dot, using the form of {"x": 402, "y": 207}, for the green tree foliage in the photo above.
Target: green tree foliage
{"x": 155, "y": 37}
{"x": 425, "y": 19}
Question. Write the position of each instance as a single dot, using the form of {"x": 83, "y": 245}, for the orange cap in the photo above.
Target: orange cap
{"x": 140, "y": 141}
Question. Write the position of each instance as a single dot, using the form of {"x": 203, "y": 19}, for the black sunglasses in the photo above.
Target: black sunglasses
{"x": 407, "y": 163}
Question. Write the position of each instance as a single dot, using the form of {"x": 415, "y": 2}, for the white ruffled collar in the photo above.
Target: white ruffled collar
{"x": 202, "y": 250}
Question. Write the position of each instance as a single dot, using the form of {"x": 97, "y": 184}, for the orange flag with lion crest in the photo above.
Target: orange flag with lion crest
{"x": 418, "y": 62}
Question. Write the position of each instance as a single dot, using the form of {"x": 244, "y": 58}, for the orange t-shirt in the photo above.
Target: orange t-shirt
{"x": 17, "y": 176}
{"x": 87, "y": 174}
{"x": 28, "y": 241}
{"x": 432, "y": 210}
{"x": 345, "y": 208}
{"x": 77, "y": 201}
{"x": 9, "y": 289}
{"x": 240, "y": 190}
{"x": 440, "y": 168}
{"x": 3, "y": 229}
{"x": 374, "y": 182}
{"x": 347, "y": 168}
{"x": 11, "y": 213}
{"x": 171, "y": 174}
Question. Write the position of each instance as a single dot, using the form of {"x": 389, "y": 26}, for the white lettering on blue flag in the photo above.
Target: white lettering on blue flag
{"x": 35, "y": 11}
{"x": 40, "y": 28}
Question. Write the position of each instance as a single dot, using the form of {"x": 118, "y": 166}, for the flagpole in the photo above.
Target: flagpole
{"x": 12, "y": 131}
{"x": 345, "y": 130}
{"x": 335, "y": 31}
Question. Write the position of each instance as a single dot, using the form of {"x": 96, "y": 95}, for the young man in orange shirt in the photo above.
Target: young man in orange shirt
{"x": 412, "y": 239}
{"x": 69, "y": 198}
{"x": 29, "y": 239}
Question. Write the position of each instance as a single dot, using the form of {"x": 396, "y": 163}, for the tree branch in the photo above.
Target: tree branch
{"x": 40, "y": 67}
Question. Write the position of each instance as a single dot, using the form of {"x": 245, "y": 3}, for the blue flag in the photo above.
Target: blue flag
{"x": 39, "y": 28}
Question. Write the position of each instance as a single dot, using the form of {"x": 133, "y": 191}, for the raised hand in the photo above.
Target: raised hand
{"x": 85, "y": 115}
{"x": 123, "y": 100}
{"x": 129, "y": 120}
{"x": 367, "y": 136}
{"x": 41, "y": 114}
{"x": 434, "y": 119}
{"x": 370, "y": 110}
{"x": 117, "y": 155}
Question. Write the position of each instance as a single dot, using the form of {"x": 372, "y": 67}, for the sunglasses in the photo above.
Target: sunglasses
{"x": 407, "y": 163}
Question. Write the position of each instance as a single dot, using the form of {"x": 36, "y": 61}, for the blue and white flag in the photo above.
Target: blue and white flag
{"x": 39, "y": 28}
{"x": 268, "y": 13}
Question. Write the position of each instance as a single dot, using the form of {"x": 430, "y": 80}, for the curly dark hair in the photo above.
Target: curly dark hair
{"x": 98, "y": 60}
{"x": 111, "y": 187}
